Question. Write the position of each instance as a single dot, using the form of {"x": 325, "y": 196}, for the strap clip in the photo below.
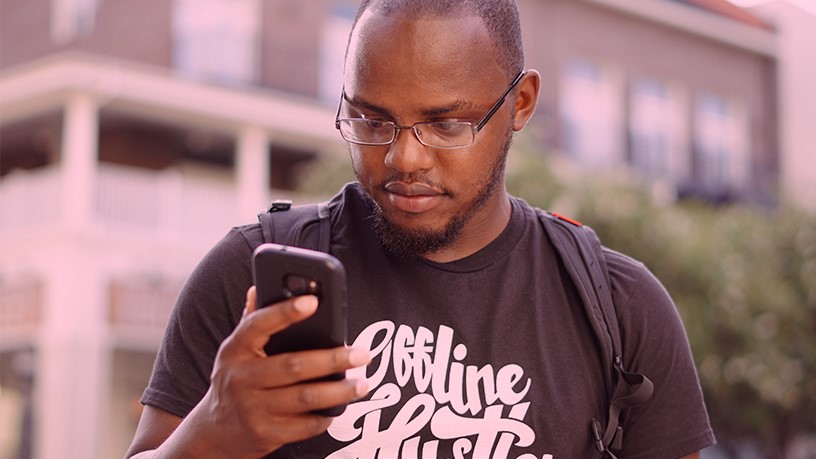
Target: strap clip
{"x": 279, "y": 205}
{"x": 617, "y": 442}
{"x": 596, "y": 433}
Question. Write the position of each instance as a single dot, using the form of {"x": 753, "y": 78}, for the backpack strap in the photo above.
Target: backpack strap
{"x": 582, "y": 255}
{"x": 306, "y": 226}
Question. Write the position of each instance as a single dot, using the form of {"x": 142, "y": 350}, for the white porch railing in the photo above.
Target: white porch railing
{"x": 30, "y": 199}
{"x": 166, "y": 205}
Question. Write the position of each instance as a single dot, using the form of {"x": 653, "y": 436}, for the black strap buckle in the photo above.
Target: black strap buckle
{"x": 279, "y": 205}
{"x": 617, "y": 442}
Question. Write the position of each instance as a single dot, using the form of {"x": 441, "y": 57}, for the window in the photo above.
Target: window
{"x": 72, "y": 18}
{"x": 591, "y": 109}
{"x": 217, "y": 40}
{"x": 720, "y": 145}
{"x": 658, "y": 131}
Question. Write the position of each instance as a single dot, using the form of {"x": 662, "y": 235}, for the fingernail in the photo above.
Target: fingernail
{"x": 305, "y": 303}
{"x": 359, "y": 357}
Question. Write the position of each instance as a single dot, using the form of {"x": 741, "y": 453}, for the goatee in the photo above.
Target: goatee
{"x": 415, "y": 243}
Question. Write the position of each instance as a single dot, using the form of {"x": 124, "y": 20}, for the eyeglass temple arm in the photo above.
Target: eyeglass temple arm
{"x": 339, "y": 105}
{"x": 499, "y": 103}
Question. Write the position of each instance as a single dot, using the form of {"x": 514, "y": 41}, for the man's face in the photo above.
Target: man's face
{"x": 408, "y": 70}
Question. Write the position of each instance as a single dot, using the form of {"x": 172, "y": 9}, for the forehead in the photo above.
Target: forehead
{"x": 441, "y": 58}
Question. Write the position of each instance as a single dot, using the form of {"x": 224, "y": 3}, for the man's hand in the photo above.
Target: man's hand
{"x": 258, "y": 403}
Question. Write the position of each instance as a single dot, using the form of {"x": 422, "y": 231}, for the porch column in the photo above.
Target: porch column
{"x": 72, "y": 369}
{"x": 73, "y": 362}
{"x": 78, "y": 160}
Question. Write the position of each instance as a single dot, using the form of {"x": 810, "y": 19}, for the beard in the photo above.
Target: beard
{"x": 418, "y": 242}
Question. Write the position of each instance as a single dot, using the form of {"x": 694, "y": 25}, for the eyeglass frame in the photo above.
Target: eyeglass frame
{"x": 475, "y": 128}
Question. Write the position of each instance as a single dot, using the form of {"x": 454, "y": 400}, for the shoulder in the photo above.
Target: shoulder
{"x": 245, "y": 237}
{"x": 224, "y": 273}
{"x": 635, "y": 290}
{"x": 625, "y": 273}
{"x": 642, "y": 303}
{"x": 225, "y": 270}
{"x": 234, "y": 247}
{"x": 630, "y": 279}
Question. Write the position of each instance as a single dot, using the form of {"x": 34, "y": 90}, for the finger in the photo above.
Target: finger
{"x": 250, "y": 305}
{"x": 307, "y": 397}
{"x": 253, "y": 332}
{"x": 293, "y": 428}
{"x": 291, "y": 368}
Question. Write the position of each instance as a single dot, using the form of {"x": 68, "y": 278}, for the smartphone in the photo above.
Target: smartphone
{"x": 281, "y": 272}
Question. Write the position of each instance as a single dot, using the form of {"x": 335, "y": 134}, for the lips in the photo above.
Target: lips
{"x": 413, "y": 197}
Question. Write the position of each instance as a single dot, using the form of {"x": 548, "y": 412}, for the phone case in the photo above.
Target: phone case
{"x": 281, "y": 272}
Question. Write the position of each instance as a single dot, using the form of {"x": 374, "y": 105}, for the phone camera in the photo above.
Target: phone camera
{"x": 298, "y": 285}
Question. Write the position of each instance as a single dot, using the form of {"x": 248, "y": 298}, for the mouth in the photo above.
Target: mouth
{"x": 413, "y": 198}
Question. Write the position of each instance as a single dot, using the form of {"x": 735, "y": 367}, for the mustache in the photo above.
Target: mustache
{"x": 411, "y": 179}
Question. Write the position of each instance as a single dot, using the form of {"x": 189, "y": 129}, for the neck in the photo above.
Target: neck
{"x": 482, "y": 229}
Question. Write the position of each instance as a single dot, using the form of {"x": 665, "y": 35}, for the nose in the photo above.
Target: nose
{"x": 406, "y": 154}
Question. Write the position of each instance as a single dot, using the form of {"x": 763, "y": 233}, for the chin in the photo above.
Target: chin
{"x": 412, "y": 239}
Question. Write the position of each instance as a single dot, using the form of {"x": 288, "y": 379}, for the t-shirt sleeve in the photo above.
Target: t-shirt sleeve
{"x": 674, "y": 422}
{"x": 206, "y": 311}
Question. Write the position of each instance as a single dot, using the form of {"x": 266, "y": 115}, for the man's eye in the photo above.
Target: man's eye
{"x": 376, "y": 124}
{"x": 443, "y": 127}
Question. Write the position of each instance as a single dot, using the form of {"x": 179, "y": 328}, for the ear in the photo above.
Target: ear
{"x": 526, "y": 98}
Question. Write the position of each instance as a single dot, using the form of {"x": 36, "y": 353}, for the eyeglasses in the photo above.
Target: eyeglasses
{"x": 435, "y": 134}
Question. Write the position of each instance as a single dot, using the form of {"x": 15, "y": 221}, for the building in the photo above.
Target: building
{"x": 683, "y": 92}
{"x": 797, "y": 99}
{"x": 134, "y": 134}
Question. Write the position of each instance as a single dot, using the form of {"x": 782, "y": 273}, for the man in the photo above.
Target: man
{"x": 474, "y": 338}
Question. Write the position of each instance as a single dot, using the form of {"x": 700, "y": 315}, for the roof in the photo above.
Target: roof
{"x": 729, "y": 10}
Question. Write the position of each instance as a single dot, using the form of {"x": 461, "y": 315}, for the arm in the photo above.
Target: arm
{"x": 256, "y": 403}
{"x": 155, "y": 426}
{"x": 674, "y": 422}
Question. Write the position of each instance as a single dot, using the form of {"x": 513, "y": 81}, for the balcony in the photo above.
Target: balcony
{"x": 144, "y": 232}
{"x": 165, "y": 206}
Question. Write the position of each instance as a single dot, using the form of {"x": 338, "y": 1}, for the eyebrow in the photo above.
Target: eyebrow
{"x": 457, "y": 105}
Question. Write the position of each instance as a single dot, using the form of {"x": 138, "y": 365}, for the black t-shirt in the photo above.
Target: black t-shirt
{"x": 488, "y": 356}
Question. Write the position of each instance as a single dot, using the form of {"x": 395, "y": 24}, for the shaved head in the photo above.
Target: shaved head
{"x": 500, "y": 18}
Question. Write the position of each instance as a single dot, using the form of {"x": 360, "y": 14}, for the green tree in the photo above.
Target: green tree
{"x": 326, "y": 175}
{"x": 743, "y": 279}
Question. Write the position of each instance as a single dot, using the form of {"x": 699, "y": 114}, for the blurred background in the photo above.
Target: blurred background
{"x": 133, "y": 135}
